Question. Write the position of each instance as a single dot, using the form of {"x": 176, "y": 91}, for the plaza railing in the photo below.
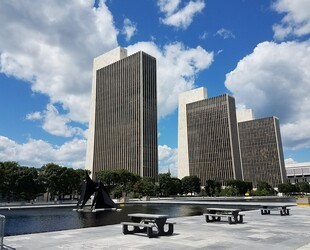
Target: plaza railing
{"x": 2, "y": 222}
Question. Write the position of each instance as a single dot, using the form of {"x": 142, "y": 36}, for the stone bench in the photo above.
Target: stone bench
{"x": 267, "y": 210}
{"x": 217, "y": 217}
{"x": 146, "y": 227}
{"x": 138, "y": 228}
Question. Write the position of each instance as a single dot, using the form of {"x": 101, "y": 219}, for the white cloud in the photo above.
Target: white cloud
{"x": 36, "y": 153}
{"x": 203, "y": 36}
{"x": 225, "y": 34}
{"x": 129, "y": 29}
{"x": 275, "y": 80}
{"x": 289, "y": 161}
{"x": 296, "y": 20}
{"x": 52, "y": 46}
{"x": 55, "y": 123}
{"x": 168, "y": 6}
{"x": 167, "y": 158}
{"x": 177, "y": 68}
{"x": 180, "y": 17}
{"x": 34, "y": 116}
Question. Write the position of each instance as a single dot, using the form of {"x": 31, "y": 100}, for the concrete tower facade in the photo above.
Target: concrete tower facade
{"x": 123, "y": 122}
{"x": 184, "y": 99}
{"x": 261, "y": 151}
{"x": 213, "y": 143}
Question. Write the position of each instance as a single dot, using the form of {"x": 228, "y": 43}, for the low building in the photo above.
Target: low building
{"x": 298, "y": 172}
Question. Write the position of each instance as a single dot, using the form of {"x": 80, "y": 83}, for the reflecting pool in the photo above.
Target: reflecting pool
{"x": 25, "y": 221}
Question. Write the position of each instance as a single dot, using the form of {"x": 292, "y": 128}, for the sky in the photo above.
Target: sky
{"x": 256, "y": 51}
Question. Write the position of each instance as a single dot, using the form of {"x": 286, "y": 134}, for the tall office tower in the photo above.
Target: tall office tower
{"x": 185, "y": 98}
{"x": 261, "y": 151}
{"x": 213, "y": 145}
{"x": 123, "y": 122}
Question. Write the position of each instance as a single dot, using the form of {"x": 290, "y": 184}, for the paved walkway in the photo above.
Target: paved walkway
{"x": 257, "y": 232}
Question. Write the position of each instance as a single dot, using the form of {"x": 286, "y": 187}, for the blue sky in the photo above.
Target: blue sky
{"x": 257, "y": 51}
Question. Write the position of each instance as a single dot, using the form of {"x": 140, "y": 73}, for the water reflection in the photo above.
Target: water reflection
{"x": 26, "y": 221}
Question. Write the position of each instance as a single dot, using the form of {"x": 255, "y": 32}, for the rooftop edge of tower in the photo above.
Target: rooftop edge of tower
{"x": 110, "y": 57}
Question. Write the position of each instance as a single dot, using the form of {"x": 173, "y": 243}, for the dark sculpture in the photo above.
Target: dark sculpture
{"x": 101, "y": 201}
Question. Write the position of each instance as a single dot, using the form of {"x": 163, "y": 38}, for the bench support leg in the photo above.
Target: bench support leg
{"x": 208, "y": 219}
{"x": 126, "y": 231}
{"x": 170, "y": 229}
{"x": 149, "y": 231}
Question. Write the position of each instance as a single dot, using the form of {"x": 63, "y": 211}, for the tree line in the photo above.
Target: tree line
{"x": 27, "y": 183}
{"x": 298, "y": 188}
{"x": 123, "y": 183}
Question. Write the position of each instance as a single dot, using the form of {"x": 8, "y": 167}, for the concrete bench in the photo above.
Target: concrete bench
{"x": 267, "y": 210}
{"x": 146, "y": 227}
{"x": 217, "y": 217}
{"x": 138, "y": 228}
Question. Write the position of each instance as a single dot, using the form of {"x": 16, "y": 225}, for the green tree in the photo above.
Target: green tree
{"x": 19, "y": 183}
{"x": 28, "y": 185}
{"x": 117, "y": 191}
{"x": 127, "y": 180}
{"x": 145, "y": 186}
{"x": 53, "y": 176}
{"x": 109, "y": 178}
{"x": 176, "y": 187}
{"x": 287, "y": 188}
{"x": 303, "y": 187}
{"x": 238, "y": 187}
{"x": 191, "y": 184}
{"x": 121, "y": 179}
{"x": 263, "y": 189}
{"x": 165, "y": 184}
{"x": 24, "y": 183}
{"x": 9, "y": 175}
{"x": 212, "y": 187}
{"x": 2, "y": 179}
{"x": 70, "y": 181}
{"x": 50, "y": 173}
{"x": 81, "y": 173}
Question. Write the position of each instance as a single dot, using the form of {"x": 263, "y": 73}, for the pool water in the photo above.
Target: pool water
{"x": 25, "y": 221}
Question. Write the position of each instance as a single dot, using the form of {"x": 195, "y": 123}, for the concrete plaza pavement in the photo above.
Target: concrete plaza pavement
{"x": 192, "y": 232}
